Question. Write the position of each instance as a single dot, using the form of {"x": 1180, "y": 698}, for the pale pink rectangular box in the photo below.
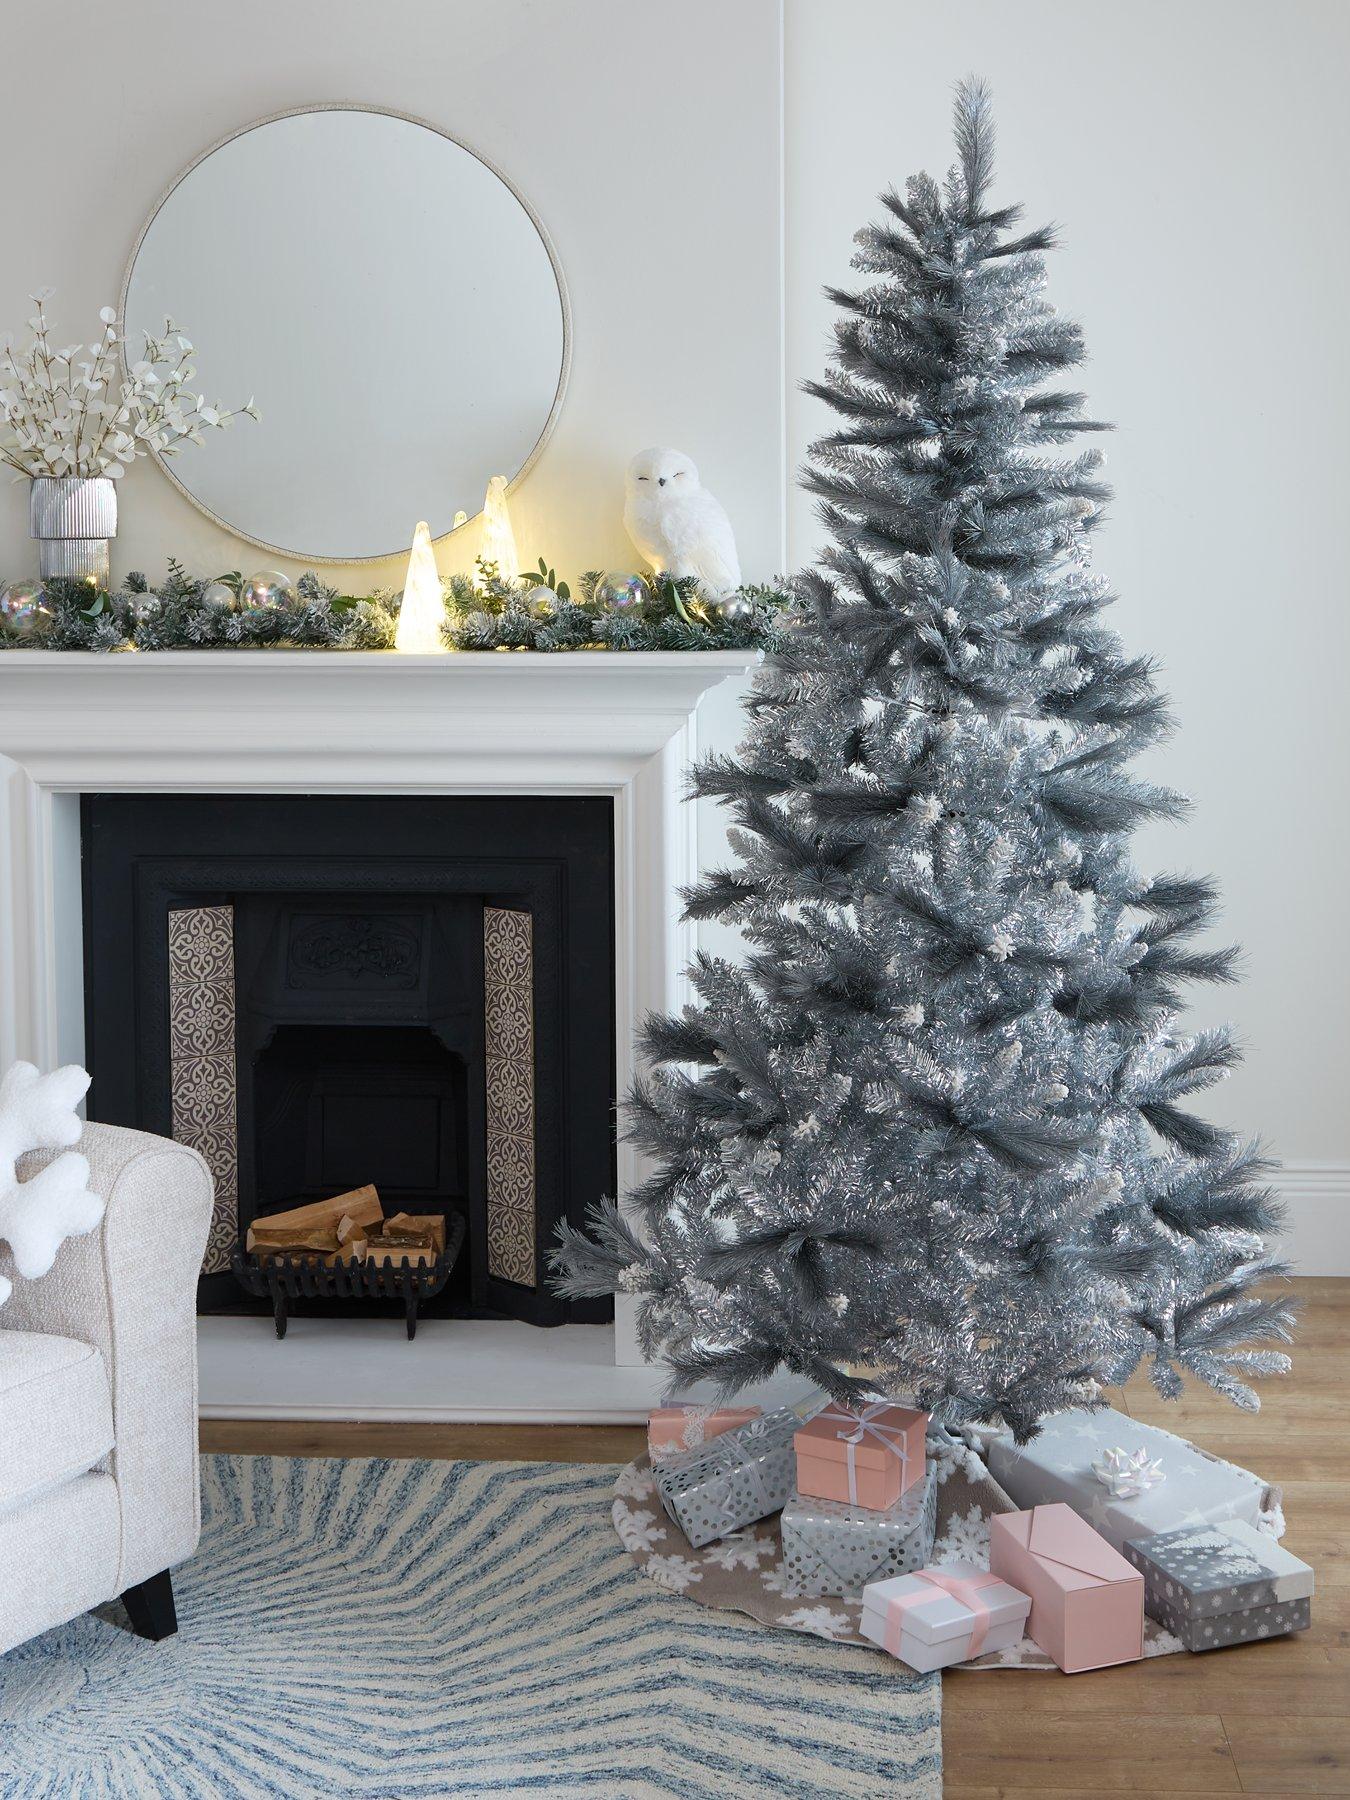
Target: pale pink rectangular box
{"x": 864, "y": 1457}
{"x": 1087, "y": 1603}
{"x": 673, "y": 1430}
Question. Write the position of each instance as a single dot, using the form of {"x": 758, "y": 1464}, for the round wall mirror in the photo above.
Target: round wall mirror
{"x": 391, "y": 303}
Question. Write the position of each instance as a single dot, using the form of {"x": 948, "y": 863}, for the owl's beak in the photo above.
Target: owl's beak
{"x": 660, "y": 481}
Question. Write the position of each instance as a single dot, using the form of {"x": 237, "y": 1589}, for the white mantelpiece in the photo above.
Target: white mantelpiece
{"x": 343, "y": 722}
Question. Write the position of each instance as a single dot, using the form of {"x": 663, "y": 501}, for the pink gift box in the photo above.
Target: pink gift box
{"x": 673, "y": 1430}
{"x": 1087, "y": 1603}
{"x": 864, "y": 1457}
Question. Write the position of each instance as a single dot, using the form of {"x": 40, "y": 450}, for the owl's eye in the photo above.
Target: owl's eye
{"x": 644, "y": 478}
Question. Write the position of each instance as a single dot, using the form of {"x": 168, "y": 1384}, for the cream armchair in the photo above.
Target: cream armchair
{"x": 99, "y": 1491}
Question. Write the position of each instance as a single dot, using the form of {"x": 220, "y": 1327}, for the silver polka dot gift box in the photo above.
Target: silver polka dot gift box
{"x": 1225, "y": 1583}
{"x": 740, "y": 1476}
{"x": 830, "y": 1547}
{"x": 1128, "y": 1479}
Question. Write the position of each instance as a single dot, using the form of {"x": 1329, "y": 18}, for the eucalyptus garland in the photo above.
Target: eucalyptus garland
{"x": 186, "y": 612}
{"x": 537, "y": 614}
{"x": 191, "y": 613}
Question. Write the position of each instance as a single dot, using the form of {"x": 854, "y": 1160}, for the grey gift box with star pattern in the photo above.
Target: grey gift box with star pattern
{"x": 1225, "y": 1583}
{"x": 1196, "y": 1488}
{"x": 833, "y": 1548}
{"x": 739, "y": 1476}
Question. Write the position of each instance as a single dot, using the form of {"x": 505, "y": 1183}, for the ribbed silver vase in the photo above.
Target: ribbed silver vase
{"x": 73, "y": 517}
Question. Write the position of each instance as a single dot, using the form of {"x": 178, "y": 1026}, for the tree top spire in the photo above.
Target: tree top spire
{"x": 973, "y": 113}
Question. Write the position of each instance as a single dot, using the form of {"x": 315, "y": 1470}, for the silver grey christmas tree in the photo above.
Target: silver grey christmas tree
{"x": 932, "y": 1137}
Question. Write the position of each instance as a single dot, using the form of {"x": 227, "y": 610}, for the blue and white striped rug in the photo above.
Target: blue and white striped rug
{"x": 386, "y": 1629}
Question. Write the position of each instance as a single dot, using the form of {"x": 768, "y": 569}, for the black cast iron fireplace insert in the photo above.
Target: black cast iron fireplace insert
{"x": 321, "y": 992}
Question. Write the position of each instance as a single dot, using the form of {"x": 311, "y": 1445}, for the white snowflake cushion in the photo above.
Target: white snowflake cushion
{"x": 37, "y": 1112}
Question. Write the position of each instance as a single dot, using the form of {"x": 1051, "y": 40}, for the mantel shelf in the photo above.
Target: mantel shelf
{"x": 353, "y": 721}
{"x": 491, "y": 665}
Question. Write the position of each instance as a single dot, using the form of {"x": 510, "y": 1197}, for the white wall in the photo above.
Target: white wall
{"x": 1195, "y": 154}
{"x": 654, "y": 165}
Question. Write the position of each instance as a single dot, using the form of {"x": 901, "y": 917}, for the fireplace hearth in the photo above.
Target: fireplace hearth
{"x": 327, "y": 991}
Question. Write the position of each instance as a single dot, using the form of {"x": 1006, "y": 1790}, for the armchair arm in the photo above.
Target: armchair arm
{"x": 130, "y": 1289}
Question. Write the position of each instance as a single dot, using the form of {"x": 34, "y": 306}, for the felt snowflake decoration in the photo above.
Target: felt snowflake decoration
{"x": 37, "y": 1112}
{"x": 1125, "y": 1475}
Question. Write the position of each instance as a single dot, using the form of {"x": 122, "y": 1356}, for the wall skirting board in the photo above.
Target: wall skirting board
{"x": 499, "y": 1375}
{"x": 1316, "y": 1199}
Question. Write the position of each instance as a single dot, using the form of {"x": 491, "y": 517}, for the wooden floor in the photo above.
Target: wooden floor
{"x": 1270, "y": 1719}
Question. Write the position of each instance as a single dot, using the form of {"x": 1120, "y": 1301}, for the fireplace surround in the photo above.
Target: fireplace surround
{"x": 323, "y": 991}
{"x": 620, "y": 726}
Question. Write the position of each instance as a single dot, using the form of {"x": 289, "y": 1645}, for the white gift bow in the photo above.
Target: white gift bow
{"x": 1126, "y": 1476}
{"x": 863, "y": 1427}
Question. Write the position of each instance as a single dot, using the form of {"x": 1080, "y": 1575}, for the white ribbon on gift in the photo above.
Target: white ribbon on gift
{"x": 719, "y": 1471}
{"x": 890, "y": 1437}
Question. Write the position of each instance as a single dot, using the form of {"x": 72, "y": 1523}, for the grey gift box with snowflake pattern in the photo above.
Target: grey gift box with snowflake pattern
{"x": 1196, "y": 1488}
{"x": 833, "y": 1548}
{"x": 1225, "y": 1583}
{"x": 740, "y": 1476}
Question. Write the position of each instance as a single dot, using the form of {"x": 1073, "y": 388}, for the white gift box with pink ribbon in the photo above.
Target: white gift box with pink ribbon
{"x": 941, "y": 1616}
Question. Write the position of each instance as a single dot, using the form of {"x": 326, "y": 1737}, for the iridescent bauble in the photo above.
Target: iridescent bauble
{"x": 730, "y": 609}
{"x": 268, "y": 588}
{"x": 219, "y": 596}
{"x": 541, "y": 601}
{"x": 23, "y": 609}
{"x": 623, "y": 594}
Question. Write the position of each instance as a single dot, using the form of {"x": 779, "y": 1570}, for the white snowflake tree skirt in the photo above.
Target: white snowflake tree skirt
{"x": 745, "y": 1573}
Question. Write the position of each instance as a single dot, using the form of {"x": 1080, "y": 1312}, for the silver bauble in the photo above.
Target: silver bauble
{"x": 623, "y": 594}
{"x": 730, "y": 609}
{"x": 266, "y": 589}
{"x": 219, "y": 596}
{"x": 23, "y": 609}
{"x": 541, "y": 602}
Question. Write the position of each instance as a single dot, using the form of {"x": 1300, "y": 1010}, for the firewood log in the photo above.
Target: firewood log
{"x": 361, "y": 1204}
{"x": 319, "y": 1237}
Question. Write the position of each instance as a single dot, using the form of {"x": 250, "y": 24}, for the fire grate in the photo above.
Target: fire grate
{"x": 290, "y": 1277}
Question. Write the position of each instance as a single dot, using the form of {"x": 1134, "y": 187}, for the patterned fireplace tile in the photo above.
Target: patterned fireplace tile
{"x": 508, "y": 999}
{"x": 201, "y": 1049}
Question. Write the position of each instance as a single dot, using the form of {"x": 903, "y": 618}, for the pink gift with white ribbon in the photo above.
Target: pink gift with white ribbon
{"x": 943, "y": 1615}
{"x": 866, "y": 1456}
{"x": 674, "y": 1430}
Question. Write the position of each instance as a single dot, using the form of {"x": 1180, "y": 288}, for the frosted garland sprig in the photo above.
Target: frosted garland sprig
{"x": 65, "y": 412}
{"x": 186, "y": 612}
{"x": 495, "y": 614}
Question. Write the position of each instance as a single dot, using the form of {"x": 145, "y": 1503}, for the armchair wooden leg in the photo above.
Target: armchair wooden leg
{"x": 150, "y": 1607}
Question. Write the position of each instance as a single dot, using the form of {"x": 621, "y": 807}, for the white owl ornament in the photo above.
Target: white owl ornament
{"x": 677, "y": 524}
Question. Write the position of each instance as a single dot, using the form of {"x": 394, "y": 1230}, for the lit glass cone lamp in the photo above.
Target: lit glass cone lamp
{"x": 499, "y": 541}
{"x": 422, "y": 613}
